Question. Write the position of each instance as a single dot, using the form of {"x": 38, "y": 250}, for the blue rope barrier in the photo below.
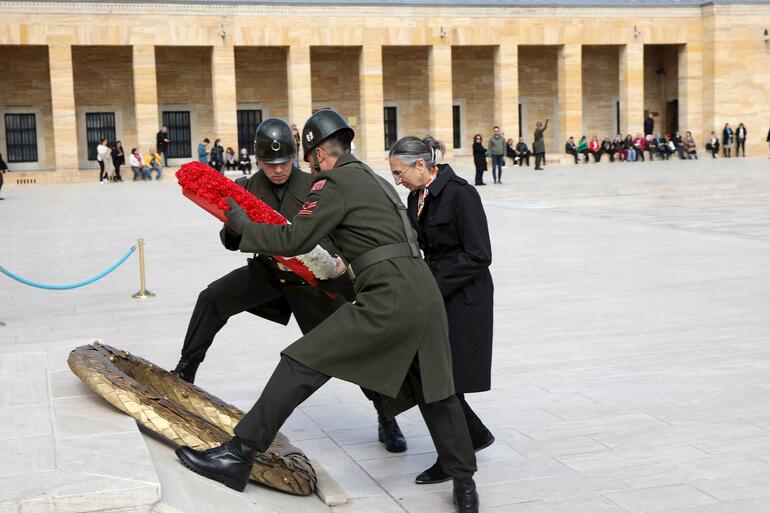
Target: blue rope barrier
{"x": 73, "y": 285}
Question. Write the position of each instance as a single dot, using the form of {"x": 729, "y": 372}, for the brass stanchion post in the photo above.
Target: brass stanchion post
{"x": 143, "y": 292}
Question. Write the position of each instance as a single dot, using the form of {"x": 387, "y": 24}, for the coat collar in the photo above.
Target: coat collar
{"x": 295, "y": 187}
{"x": 444, "y": 176}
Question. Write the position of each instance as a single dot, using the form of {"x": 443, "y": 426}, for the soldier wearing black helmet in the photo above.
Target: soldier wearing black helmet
{"x": 261, "y": 287}
{"x": 393, "y": 339}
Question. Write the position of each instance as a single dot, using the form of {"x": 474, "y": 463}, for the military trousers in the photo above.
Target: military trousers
{"x": 205, "y": 323}
{"x": 293, "y": 382}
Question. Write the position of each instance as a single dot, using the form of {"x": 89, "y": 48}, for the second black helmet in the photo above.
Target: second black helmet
{"x": 274, "y": 143}
{"x": 321, "y": 125}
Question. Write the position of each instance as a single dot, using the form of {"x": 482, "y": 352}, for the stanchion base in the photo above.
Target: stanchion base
{"x": 143, "y": 294}
{"x": 2, "y": 324}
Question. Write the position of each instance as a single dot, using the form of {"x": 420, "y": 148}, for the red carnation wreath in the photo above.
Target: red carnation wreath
{"x": 209, "y": 189}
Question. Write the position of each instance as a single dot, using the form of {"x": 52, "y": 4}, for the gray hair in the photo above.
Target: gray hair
{"x": 410, "y": 149}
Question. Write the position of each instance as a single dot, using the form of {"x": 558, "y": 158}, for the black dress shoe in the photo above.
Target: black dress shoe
{"x": 465, "y": 496}
{"x": 434, "y": 475}
{"x": 230, "y": 463}
{"x": 186, "y": 369}
{"x": 390, "y": 434}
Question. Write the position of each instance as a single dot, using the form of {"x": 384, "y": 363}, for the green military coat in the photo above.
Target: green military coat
{"x": 263, "y": 289}
{"x": 398, "y": 315}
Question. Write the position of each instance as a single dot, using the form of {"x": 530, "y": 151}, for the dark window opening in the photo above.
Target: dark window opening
{"x": 521, "y": 123}
{"x": 456, "y": 135}
{"x": 391, "y": 128}
{"x": 21, "y": 137}
{"x": 178, "y": 124}
{"x": 248, "y": 121}
{"x": 99, "y": 125}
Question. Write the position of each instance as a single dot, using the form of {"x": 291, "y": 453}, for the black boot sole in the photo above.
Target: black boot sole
{"x": 229, "y": 482}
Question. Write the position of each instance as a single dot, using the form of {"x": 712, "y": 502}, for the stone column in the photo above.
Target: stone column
{"x": 300, "y": 90}
{"x": 440, "y": 94}
{"x": 570, "y": 77}
{"x": 507, "y": 89}
{"x": 145, "y": 97}
{"x": 223, "y": 94}
{"x": 371, "y": 135}
{"x": 65, "y": 138}
{"x": 631, "y": 88}
{"x": 691, "y": 91}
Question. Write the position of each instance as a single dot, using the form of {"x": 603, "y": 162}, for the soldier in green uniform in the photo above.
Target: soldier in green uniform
{"x": 392, "y": 339}
{"x": 262, "y": 287}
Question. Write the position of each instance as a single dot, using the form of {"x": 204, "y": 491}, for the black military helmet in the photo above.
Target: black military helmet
{"x": 321, "y": 125}
{"x": 274, "y": 143}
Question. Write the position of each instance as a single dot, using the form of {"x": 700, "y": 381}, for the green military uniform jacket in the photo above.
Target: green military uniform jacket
{"x": 263, "y": 289}
{"x": 398, "y": 316}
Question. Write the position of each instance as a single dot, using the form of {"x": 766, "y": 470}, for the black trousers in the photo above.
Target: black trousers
{"x": 117, "y": 173}
{"x": 292, "y": 383}
{"x": 479, "y": 176}
{"x": 740, "y": 145}
{"x": 1, "y": 180}
{"x": 539, "y": 159}
{"x": 102, "y": 174}
{"x": 205, "y": 323}
{"x": 523, "y": 157}
{"x": 574, "y": 153}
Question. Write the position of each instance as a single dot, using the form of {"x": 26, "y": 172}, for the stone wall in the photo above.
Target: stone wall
{"x": 600, "y": 91}
{"x": 184, "y": 83}
{"x": 28, "y": 90}
{"x": 261, "y": 81}
{"x": 334, "y": 78}
{"x": 473, "y": 88}
{"x": 538, "y": 92}
{"x": 405, "y": 86}
{"x": 103, "y": 83}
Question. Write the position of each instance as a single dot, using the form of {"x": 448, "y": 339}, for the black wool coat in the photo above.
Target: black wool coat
{"x": 479, "y": 156}
{"x": 454, "y": 237}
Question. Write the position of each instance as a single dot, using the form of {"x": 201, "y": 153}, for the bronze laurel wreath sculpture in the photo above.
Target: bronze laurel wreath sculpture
{"x": 183, "y": 413}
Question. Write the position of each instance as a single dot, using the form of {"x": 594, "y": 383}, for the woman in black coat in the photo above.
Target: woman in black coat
{"x": 479, "y": 158}
{"x": 452, "y": 231}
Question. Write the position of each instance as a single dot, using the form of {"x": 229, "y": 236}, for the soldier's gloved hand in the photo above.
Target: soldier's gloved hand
{"x": 237, "y": 219}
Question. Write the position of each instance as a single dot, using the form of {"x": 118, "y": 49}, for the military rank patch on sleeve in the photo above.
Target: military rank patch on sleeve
{"x": 318, "y": 185}
{"x": 307, "y": 208}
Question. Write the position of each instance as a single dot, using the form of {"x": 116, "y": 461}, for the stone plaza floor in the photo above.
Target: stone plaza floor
{"x": 631, "y": 366}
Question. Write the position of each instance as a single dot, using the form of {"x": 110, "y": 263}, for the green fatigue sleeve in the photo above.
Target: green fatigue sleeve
{"x": 319, "y": 215}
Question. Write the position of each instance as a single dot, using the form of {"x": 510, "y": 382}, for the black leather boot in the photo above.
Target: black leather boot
{"x": 390, "y": 434}
{"x": 186, "y": 369}
{"x": 465, "y": 496}
{"x": 230, "y": 463}
{"x": 388, "y": 431}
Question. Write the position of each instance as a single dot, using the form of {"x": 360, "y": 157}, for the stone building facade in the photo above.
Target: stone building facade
{"x": 75, "y": 71}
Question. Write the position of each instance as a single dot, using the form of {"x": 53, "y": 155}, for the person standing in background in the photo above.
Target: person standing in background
{"x": 538, "y": 147}
{"x": 479, "y": 159}
{"x": 118, "y": 159}
{"x": 103, "y": 153}
{"x": 649, "y": 125}
{"x": 740, "y": 140}
{"x": 496, "y": 147}
{"x": 727, "y": 141}
{"x": 161, "y": 143}
{"x": 203, "y": 152}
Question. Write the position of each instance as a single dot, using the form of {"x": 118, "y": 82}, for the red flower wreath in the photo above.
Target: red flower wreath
{"x": 209, "y": 189}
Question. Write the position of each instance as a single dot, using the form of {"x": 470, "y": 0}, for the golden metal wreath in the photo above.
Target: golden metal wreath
{"x": 183, "y": 413}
